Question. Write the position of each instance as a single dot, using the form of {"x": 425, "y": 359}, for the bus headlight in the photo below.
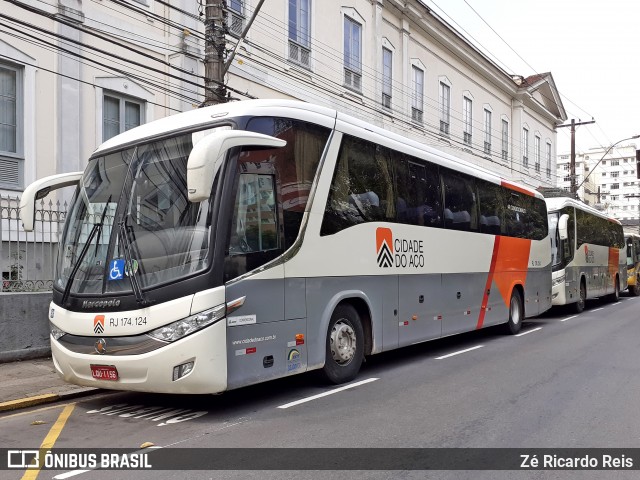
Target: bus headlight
{"x": 186, "y": 326}
{"x": 56, "y": 333}
{"x": 558, "y": 280}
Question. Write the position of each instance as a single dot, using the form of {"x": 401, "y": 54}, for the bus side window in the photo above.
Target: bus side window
{"x": 492, "y": 213}
{"x": 460, "y": 202}
{"x": 418, "y": 186}
{"x": 362, "y": 189}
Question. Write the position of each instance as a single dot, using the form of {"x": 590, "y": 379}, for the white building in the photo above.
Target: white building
{"x": 74, "y": 73}
{"x": 612, "y": 184}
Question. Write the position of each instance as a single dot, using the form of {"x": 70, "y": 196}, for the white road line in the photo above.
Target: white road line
{"x": 597, "y": 309}
{"x": 529, "y": 331}
{"x": 568, "y": 318}
{"x": 330, "y": 392}
{"x": 458, "y": 353}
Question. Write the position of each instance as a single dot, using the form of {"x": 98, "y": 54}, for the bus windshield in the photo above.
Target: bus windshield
{"x": 130, "y": 216}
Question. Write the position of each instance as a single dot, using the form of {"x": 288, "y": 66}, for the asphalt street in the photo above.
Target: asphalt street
{"x": 566, "y": 381}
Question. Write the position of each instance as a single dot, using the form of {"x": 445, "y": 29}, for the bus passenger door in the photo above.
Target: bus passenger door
{"x": 257, "y": 332}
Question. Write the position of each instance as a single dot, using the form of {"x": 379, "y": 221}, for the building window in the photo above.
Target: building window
{"x": 525, "y": 147}
{"x": 300, "y": 32}
{"x": 387, "y": 76}
{"x": 236, "y": 17}
{"x": 120, "y": 114}
{"x": 505, "y": 140}
{"x": 467, "y": 118}
{"x": 487, "y": 132}
{"x": 548, "y": 159}
{"x": 604, "y": 174}
{"x": 352, "y": 54}
{"x": 417, "y": 106}
{"x": 615, "y": 174}
{"x": 536, "y": 152}
{"x": 445, "y": 107}
{"x": 615, "y": 163}
{"x": 11, "y": 120}
{"x": 614, "y": 198}
{"x": 615, "y": 186}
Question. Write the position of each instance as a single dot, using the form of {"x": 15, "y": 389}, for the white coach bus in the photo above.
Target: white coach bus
{"x": 248, "y": 241}
{"x": 588, "y": 253}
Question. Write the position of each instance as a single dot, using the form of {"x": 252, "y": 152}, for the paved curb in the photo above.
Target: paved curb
{"x": 46, "y": 398}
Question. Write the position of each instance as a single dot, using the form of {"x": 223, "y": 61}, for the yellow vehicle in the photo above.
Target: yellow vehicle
{"x": 633, "y": 262}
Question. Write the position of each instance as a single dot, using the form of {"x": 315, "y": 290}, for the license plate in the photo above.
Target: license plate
{"x": 104, "y": 372}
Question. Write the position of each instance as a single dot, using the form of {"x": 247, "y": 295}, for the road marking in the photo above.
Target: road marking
{"x": 597, "y": 309}
{"x": 458, "y": 353}
{"x": 529, "y": 331}
{"x": 50, "y": 440}
{"x": 568, "y": 318}
{"x": 330, "y": 392}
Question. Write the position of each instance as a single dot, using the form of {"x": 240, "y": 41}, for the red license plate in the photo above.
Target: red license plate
{"x": 104, "y": 372}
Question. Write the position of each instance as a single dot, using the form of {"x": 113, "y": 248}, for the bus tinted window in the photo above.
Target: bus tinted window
{"x": 296, "y": 165}
{"x": 598, "y": 231}
{"x": 492, "y": 214}
{"x": 526, "y": 216}
{"x": 362, "y": 189}
{"x": 460, "y": 202}
{"x": 418, "y": 200}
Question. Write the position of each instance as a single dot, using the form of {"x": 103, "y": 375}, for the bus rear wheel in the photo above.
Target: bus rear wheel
{"x": 345, "y": 345}
{"x": 615, "y": 296}
{"x": 516, "y": 313}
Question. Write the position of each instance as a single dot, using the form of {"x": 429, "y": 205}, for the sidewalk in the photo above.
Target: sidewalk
{"x": 31, "y": 382}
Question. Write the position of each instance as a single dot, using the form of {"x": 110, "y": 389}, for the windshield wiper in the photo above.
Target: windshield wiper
{"x": 137, "y": 291}
{"x": 96, "y": 227}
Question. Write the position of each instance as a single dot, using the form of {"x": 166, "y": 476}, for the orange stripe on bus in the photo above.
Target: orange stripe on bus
{"x": 517, "y": 188}
{"x": 487, "y": 287}
{"x": 509, "y": 263}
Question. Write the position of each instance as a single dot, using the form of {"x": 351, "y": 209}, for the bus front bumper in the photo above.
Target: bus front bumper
{"x": 154, "y": 371}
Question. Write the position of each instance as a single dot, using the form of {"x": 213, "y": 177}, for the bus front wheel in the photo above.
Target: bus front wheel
{"x": 579, "y": 305}
{"x": 516, "y": 313}
{"x": 345, "y": 345}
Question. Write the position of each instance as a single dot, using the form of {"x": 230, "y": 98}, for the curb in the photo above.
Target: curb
{"x": 46, "y": 398}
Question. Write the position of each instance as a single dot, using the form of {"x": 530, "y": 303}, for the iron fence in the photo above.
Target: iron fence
{"x": 27, "y": 259}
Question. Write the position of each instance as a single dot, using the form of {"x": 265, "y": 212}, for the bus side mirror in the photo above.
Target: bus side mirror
{"x": 562, "y": 227}
{"x": 40, "y": 189}
{"x": 208, "y": 155}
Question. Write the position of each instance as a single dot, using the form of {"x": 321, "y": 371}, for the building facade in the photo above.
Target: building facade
{"x": 75, "y": 73}
{"x": 400, "y": 66}
{"x": 612, "y": 185}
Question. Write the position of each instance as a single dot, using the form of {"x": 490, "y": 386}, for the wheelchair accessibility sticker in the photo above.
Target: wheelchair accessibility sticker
{"x": 116, "y": 269}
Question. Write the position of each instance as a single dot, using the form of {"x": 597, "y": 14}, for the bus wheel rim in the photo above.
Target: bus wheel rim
{"x": 515, "y": 311}
{"x": 342, "y": 342}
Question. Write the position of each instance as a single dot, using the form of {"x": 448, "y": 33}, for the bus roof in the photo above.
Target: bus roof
{"x": 557, "y": 203}
{"x": 209, "y": 115}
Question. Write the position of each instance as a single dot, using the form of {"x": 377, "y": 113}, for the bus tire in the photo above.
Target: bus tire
{"x": 344, "y": 346}
{"x": 615, "y": 296}
{"x": 516, "y": 313}
{"x": 579, "y": 305}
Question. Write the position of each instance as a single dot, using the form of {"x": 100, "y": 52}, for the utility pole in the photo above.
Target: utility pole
{"x": 214, "y": 52}
{"x": 573, "y": 126}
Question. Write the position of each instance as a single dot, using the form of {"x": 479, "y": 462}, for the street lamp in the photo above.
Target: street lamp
{"x": 605, "y": 154}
